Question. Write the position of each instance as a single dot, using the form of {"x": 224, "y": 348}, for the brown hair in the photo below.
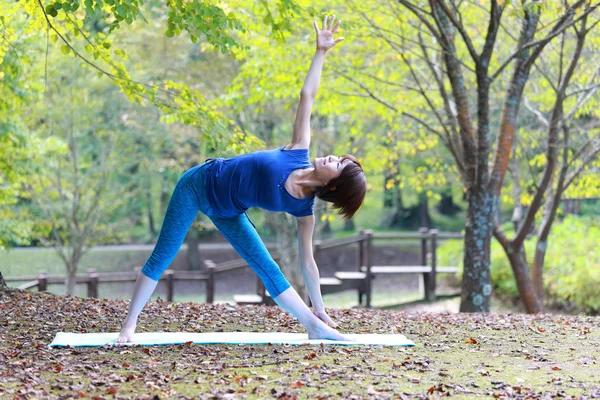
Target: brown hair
{"x": 347, "y": 191}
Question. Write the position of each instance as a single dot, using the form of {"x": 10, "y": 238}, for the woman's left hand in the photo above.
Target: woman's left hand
{"x": 325, "y": 39}
{"x": 322, "y": 315}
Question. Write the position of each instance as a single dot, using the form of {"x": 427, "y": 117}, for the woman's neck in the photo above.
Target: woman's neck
{"x": 304, "y": 182}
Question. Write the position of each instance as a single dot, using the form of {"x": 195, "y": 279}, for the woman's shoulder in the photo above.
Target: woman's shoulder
{"x": 293, "y": 147}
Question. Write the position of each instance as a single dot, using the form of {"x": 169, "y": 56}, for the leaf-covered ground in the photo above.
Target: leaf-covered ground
{"x": 466, "y": 356}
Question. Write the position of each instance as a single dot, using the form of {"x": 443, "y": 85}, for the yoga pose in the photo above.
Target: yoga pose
{"x": 282, "y": 179}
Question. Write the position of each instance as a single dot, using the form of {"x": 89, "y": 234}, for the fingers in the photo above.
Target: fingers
{"x": 330, "y": 321}
{"x": 335, "y": 28}
{"x": 332, "y": 25}
{"x": 327, "y": 319}
{"x": 336, "y": 41}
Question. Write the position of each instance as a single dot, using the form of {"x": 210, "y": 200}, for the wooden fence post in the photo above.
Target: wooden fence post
{"x": 92, "y": 283}
{"x": 432, "y": 277}
{"x": 423, "y": 255}
{"x": 368, "y": 259}
{"x": 42, "y": 281}
{"x": 210, "y": 283}
{"x": 360, "y": 261}
{"x": 170, "y": 284}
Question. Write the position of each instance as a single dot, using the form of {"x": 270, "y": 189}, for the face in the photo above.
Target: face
{"x": 330, "y": 167}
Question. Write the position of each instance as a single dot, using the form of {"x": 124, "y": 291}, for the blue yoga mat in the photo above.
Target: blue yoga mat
{"x": 63, "y": 339}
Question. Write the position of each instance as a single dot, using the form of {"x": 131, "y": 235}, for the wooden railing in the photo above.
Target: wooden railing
{"x": 364, "y": 259}
{"x": 93, "y": 279}
{"x": 364, "y": 263}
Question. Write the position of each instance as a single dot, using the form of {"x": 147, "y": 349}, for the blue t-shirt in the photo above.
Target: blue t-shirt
{"x": 257, "y": 180}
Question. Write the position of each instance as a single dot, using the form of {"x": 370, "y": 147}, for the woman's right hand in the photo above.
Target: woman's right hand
{"x": 325, "y": 39}
{"x": 322, "y": 315}
{"x": 126, "y": 335}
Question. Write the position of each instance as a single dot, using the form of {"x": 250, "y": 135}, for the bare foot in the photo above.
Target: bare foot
{"x": 322, "y": 331}
{"x": 126, "y": 335}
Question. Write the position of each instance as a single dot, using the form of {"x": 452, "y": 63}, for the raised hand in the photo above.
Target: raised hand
{"x": 325, "y": 39}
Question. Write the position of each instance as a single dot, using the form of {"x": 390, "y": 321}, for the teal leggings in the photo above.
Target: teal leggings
{"x": 188, "y": 198}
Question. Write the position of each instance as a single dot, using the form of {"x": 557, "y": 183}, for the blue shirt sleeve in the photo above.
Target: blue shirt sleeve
{"x": 308, "y": 210}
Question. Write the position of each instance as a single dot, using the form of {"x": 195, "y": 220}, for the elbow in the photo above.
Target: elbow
{"x": 308, "y": 95}
{"x": 308, "y": 265}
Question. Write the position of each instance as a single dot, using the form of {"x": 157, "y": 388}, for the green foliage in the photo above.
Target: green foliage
{"x": 200, "y": 18}
{"x": 21, "y": 151}
{"x": 571, "y": 267}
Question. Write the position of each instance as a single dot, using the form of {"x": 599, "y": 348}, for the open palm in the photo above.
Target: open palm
{"x": 325, "y": 39}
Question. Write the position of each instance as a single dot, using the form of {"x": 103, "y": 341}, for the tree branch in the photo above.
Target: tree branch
{"x": 490, "y": 39}
{"x": 536, "y": 112}
{"x": 558, "y": 28}
{"x": 461, "y": 30}
{"x": 369, "y": 92}
{"x": 555, "y": 121}
{"x": 590, "y": 157}
{"x": 418, "y": 13}
{"x": 455, "y": 148}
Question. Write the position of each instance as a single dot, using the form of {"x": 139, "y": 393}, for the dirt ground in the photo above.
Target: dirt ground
{"x": 461, "y": 355}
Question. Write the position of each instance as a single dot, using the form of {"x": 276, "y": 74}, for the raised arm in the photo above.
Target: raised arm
{"x": 325, "y": 41}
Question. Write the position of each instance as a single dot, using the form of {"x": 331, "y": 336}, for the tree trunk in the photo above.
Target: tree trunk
{"x": 150, "y": 214}
{"x": 72, "y": 264}
{"x": 165, "y": 195}
{"x": 537, "y": 268}
{"x": 3, "y": 285}
{"x": 326, "y": 227}
{"x": 397, "y": 217}
{"x": 518, "y": 263}
{"x": 70, "y": 281}
{"x": 193, "y": 253}
{"x": 349, "y": 225}
{"x": 388, "y": 193}
{"x": 287, "y": 240}
{"x": 520, "y": 268}
{"x": 476, "y": 285}
{"x": 424, "y": 211}
{"x": 446, "y": 206}
{"x": 552, "y": 203}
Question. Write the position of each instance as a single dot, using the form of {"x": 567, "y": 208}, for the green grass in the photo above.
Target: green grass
{"x": 25, "y": 262}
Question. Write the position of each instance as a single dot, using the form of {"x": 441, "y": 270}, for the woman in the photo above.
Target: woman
{"x": 278, "y": 180}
